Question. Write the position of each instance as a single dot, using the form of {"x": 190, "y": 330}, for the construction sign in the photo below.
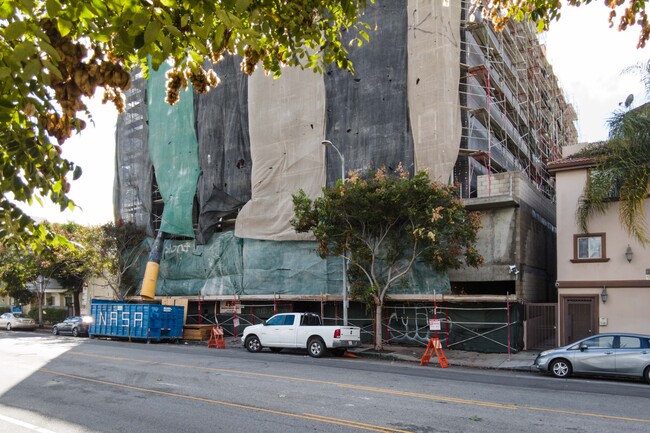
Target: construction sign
{"x": 434, "y": 346}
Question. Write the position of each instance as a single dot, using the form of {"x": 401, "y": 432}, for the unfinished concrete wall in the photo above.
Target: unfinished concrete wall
{"x": 518, "y": 229}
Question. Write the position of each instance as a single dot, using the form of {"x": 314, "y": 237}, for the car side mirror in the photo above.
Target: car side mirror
{"x": 583, "y": 347}
{"x": 265, "y": 324}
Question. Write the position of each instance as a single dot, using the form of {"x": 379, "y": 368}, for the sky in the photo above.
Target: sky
{"x": 587, "y": 57}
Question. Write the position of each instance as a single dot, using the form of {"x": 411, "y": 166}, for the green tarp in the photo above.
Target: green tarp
{"x": 173, "y": 149}
{"x": 228, "y": 265}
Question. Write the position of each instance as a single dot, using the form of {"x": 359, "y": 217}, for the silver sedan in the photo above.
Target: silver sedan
{"x": 11, "y": 321}
{"x": 604, "y": 354}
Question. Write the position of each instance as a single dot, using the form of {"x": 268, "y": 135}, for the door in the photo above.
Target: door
{"x": 66, "y": 325}
{"x": 596, "y": 355}
{"x": 579, "y": 314}
{"x": 279, "y": 331}
{"x": 541, "y": 326}
{"x": 632, "y": 355}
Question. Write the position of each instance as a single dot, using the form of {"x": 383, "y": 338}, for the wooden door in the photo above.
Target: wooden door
{"x": 579, "y": 318}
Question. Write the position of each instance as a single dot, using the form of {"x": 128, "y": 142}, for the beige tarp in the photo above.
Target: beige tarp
{"x": 286, "y": 118}
{"x": 433, "y": 77}
{"x": 287, "y": 121}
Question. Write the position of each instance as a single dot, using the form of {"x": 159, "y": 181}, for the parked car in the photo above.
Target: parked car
{"x": 11, "y": 321}
{"x": 603, "y": 354}
{"x": 75, "y": 325}
{"x": 301, "y": 331}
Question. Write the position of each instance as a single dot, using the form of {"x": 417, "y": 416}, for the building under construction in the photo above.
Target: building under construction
{"x": 435, "y": 89}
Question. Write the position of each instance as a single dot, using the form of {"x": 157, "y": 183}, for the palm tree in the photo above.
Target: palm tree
{"x": 622, "y": 170}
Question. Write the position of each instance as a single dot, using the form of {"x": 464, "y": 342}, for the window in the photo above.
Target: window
{"x": 276, "y": 320}
{"x": 630, "y": 342}
{"x": 281, "y": 319}
{"x": 589, "y": 248}
{"x": 599, "y": 342}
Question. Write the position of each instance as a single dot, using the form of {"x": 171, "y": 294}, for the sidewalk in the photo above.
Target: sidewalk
{"x": 520, "y": 361}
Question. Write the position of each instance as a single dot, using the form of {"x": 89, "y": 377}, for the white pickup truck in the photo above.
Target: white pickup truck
{"x": 300, "y": 331}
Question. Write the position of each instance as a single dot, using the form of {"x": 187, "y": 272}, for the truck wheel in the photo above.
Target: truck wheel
{"x": 253, "y": 344}
{"x": 316, "y": 347}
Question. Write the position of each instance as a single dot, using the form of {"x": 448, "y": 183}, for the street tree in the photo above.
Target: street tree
{"x": 623, "y": 14}
{"x": 121, "y": 251}
{"x": 54, "y": 54}
{"x": 621, "y": 172}
{"x": 77, "y": 265}
{"x": 14, "y": 274}
{"x": 381, "y": 223}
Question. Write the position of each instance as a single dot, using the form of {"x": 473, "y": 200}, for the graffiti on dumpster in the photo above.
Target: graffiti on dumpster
{"x": 124, "y": 319}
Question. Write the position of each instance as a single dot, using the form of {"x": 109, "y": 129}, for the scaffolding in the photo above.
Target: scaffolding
{"x": 515, "y": 116}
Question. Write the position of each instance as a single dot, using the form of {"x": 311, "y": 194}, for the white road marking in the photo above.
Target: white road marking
{"x": 25, "y": 424}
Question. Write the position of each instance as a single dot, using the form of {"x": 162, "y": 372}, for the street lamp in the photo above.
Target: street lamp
{"x": 345, "y": 265}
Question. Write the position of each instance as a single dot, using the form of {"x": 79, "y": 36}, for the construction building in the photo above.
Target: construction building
{"x": 435, "y": 89}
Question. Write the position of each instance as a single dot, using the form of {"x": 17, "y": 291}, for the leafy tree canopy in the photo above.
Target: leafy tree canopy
{"x": 382, "y": 222}
{"x": 622, "y": 171}
{"x": 15, "y": 272}
{"x": 622, "y": 13}
{"x": 53, "y": 53}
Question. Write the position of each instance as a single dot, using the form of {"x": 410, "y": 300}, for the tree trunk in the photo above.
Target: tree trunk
{"x": 41, "y": 298}
{"x": 76, "y": 298}
{"x": 379, "y": 341}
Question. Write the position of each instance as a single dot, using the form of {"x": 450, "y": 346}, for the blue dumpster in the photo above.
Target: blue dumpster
{"x": 151, "y": 322}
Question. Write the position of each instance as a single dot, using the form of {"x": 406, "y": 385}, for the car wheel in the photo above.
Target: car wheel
{"x": 316, "y": 347}
{"x": 253, "y": 344}
{"x": 646, "y": 374}
{"x": 561, "y": 368}
{"x": 8, "y": 326}
{"x": 276, "y": 349}
{"x": 75, "y": 332}
{"x": 55, "y": 330}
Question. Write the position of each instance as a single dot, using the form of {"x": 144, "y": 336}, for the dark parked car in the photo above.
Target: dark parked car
{"x": 11, "y": 321}
{"x": 603, "y": 355}
{"x": 75, "y": 325}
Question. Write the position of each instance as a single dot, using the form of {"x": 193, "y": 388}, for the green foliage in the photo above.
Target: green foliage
{"x": 4, "y": 310}
{"x": 16, "y": 270}
{"x": 386, "y": 222}
{"x": 55, "y": 53}
{"x": 381, "y": 223}
{"x": 622, "y": 171}
{"x": 50, "y": 315}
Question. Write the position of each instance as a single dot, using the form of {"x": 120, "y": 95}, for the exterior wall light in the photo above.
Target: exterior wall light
{"x": 604, "y": 295}
{"x": 629, "y": 254}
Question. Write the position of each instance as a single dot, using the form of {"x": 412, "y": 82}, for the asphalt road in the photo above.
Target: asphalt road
{"x": 69, "y": 385}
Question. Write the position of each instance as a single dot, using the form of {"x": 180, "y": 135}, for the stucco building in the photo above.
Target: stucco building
{"x": 603, "y": 278}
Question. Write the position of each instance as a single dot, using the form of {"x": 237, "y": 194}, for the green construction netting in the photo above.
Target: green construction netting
{"x": 173, "y": 149}
{"x": 188, "y": 269}
{"x": 229, "y": 265}
{"x": 290, "y": 267}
